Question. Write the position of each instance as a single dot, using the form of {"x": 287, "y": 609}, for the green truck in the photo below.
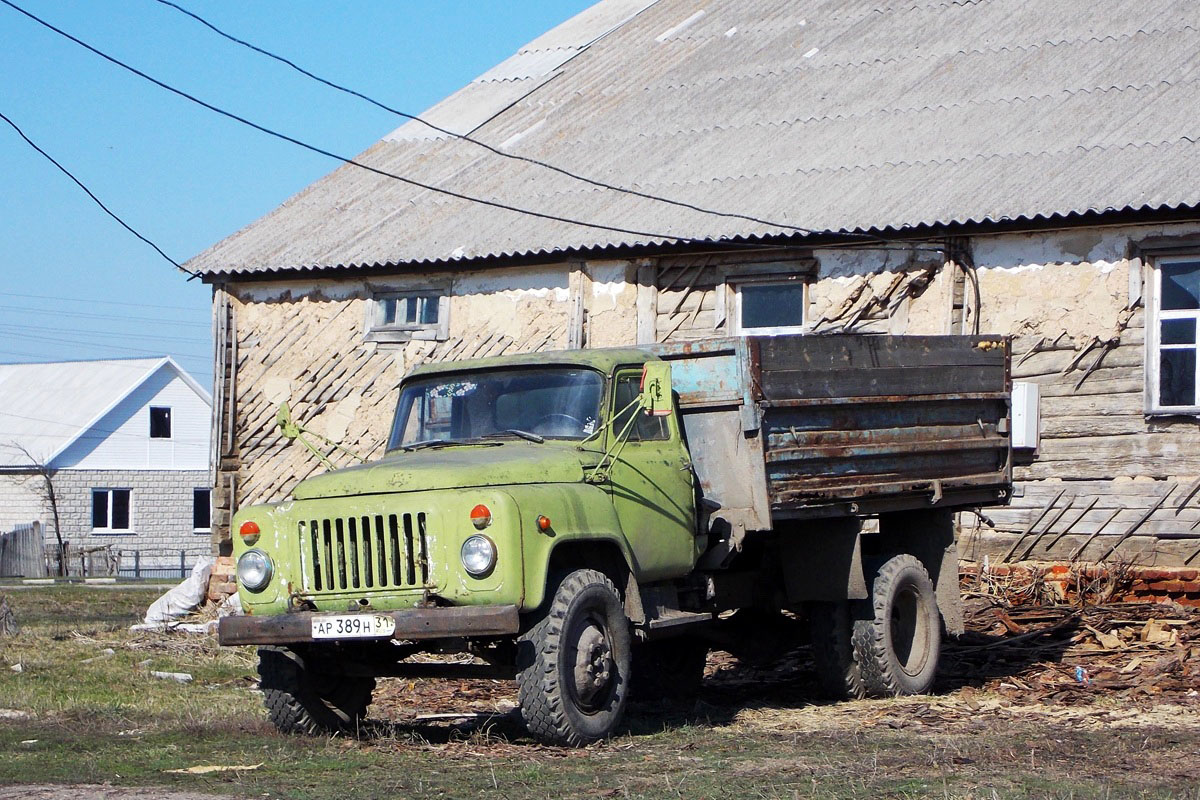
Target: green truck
{"x": 592, "y": 522}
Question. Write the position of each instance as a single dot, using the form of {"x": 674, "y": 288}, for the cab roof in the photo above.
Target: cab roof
{"x": 603, "y": 359}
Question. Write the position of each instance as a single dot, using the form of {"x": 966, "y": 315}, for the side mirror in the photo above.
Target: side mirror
{"x": 656, "y": 388}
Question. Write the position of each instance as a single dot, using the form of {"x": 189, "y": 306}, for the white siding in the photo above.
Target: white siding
{"x": 121, "y": 438}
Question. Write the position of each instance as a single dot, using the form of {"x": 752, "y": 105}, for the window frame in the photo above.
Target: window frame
{"x": 737, "y": 283}
{"x": 375, "y": 331}
{"x": 170, "y": 423}
{"x": 1155, "y": 314}
{"x": 109, "y": 530}
{"x": 208, "y": 491}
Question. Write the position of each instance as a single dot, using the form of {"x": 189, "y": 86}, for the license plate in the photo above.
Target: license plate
{"x": 353, "y": 626}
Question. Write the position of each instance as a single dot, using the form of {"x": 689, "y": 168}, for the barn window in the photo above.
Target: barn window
{"x": 1172, "y": 366}
{"x": 404, "y": 316}
{"x": 770, "y": 307}
{"x": 111, "y": 510}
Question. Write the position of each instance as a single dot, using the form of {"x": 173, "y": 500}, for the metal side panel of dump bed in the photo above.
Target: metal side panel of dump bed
{"x": 789, "y": 427}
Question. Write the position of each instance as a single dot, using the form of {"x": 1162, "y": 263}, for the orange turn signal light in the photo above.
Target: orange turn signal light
{"x": 543, "y": 522}
{"x": 249, "y": 531}
{"x": 481, "y": 516}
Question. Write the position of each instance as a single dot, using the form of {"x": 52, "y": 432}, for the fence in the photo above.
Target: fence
{"x": 161, "y": 563}
{"x": 23, "y": 555}
{"x": 23, "y": 552}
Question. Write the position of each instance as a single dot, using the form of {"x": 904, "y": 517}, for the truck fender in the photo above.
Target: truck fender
{"x": 604, "y": 555}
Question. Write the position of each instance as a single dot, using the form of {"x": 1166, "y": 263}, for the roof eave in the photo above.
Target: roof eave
{"x": 800, "y": 241}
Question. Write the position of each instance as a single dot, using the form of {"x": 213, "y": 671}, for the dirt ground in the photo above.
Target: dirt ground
{"x": 1034, "y": 701}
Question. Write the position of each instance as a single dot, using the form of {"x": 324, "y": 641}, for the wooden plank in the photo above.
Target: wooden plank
{"x": 1053, "y": 362}
{"x": 647, "y": 303}
{"x": 851, "y": 351}
{"x": 1093, "y": 425}
{"x": 870, "y": 382}
{"x": 1093, "y": 405}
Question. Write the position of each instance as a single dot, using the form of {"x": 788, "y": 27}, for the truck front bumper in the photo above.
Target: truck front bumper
{"x": 411, "y": 623}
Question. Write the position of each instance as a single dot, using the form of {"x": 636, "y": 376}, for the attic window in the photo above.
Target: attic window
{"x": 160, "y": 422}
{"x": 405, "y": 316}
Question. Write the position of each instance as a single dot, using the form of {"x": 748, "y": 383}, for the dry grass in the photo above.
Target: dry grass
{"x": 94, "y": 717}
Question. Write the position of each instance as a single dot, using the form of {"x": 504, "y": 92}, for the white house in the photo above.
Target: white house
{"x": 125, "y": 443}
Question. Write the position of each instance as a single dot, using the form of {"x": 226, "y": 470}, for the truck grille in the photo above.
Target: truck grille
{"x": 384, "y": 551}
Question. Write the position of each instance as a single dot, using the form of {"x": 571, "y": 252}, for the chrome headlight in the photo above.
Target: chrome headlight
{"x": 254, "y": 570}
{"x": 478, "y": 555}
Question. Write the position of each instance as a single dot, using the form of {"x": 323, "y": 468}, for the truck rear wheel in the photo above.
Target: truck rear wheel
{"x": 574, "y": 664}
{"x": 898, "y": 647}
{"x": 301, "y": 700}
{"x": 832, "y": 630}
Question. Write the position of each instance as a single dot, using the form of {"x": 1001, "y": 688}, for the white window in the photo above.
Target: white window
{"x": 112, "y": 510}
{"x": 402, "y": 316}
{"x": 770, "y": 307}
{"x": 202, "y": 510}
{"x": 1172, "y": 363}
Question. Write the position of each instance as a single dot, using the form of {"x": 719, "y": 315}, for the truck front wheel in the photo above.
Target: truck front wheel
{"x": 574, "y": 663}
{"x": 301, "y": 700}
{"x": 898, "y": 647}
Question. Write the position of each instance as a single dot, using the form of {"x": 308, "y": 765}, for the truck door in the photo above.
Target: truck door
{"x": 652, "y": 486}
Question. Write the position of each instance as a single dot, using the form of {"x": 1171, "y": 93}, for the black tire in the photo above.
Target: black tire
{"x": 898, "y": 646}
{"x": 574, "y": 664}
{"x": 300, "y": 700}
{"x": 831, "y": 627}
{"x": 668, "y": 669}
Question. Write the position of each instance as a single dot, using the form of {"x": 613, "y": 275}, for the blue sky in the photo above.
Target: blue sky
{"x": 73, "y": 283}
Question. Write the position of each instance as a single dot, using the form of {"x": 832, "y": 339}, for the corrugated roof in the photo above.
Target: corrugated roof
{"x": 45, "y": 407}
{"x": 833, "y": 115}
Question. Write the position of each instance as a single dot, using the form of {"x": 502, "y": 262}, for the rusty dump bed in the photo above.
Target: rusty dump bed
{"x": 808, "y": 426}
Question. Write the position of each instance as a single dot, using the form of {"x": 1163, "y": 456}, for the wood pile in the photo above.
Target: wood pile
{"x": 1076, "y": 654}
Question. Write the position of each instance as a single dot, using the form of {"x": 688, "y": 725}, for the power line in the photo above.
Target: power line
{"x": 85, "y": 315}
{"x": 94, "y": 301}
{"x": 485, "y": 145}
{"x": 108, "y": 431}
{"x": 17, "y": 328}
{"x": 351, "y": 161}
{"x": 102, "y": 345}
{"x": 88, "y": 191}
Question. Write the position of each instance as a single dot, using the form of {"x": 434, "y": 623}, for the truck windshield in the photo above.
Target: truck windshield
{"x": 556, "y": 403}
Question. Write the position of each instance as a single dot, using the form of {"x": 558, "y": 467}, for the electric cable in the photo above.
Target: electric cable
{"x": 87, "y": 315}
{"x": 491, "y": 148}
{"x": 95, "y": 301}
{"x": 361, "y": 165}
{"x": 19, "y": 327}
{"x": 90, "y": 194}
{"x": 345, "y": 159}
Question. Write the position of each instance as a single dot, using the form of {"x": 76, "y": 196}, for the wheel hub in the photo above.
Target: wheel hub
{"x": 593, "y": 664}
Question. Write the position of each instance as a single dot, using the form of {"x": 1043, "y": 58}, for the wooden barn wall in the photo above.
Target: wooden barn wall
{"x": 303, "y": 342}
{"x": 1072, "y": 300}
{"x": 1108, "y": 482}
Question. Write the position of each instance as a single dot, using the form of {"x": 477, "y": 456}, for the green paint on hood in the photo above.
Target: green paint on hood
{"x": 454, "y": 467}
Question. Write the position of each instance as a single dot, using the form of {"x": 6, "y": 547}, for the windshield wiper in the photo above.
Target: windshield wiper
{"x": 421, "y": 445}
{"x": 533, "y": 437}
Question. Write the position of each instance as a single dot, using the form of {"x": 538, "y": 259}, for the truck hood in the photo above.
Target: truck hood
{"x": 453, "y": 467}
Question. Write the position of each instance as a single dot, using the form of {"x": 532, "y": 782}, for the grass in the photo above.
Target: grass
{"x": 106, "y": 720}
